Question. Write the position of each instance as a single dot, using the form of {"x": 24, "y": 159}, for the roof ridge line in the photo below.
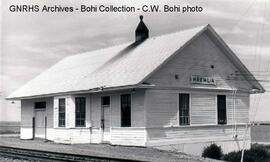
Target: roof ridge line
{"x": 126, "y": 43}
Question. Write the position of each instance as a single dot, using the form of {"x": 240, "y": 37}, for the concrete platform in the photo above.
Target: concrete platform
{"x": 102, "y": 150}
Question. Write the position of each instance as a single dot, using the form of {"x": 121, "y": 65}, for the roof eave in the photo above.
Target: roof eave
{"x": 254, "y": 81}
{"x": 93, "y": 90}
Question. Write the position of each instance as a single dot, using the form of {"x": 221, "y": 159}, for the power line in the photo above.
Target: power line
{"x": 244, "y": 13}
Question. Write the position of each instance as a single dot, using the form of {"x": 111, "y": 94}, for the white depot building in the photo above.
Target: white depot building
{"x": 173, "y": 91}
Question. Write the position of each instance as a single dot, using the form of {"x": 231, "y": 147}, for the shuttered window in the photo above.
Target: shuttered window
{"x": 184, "y": 109}
{"x": 126, "y": 110}
{"x": 62, "y": 112}
{"x": 221, "y": 109}
{"x": 80, "y": 111}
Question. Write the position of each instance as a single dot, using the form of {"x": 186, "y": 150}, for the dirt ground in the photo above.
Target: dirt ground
{"x": 104, "y": 150}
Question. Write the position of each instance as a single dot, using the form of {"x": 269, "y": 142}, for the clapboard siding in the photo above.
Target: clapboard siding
{"x": 196, "y": 59}
{"x": 241, "y": 108}
{"x": 137, "y": 108}
{"x": 56, "y": 110}
{"x": 91, "y": 132}
{"x": 115, "y": 109}
{"x": 162, "y": 101}
{"x": 173, "y": 135}
{"x": 76, "y": 135}
{"x": 62, "y": 135}
{"x": 80, "y": 135}
{"x": 50, "y": 134}
{"x": 128, "y": 136}
{"x": 49, "y": 112}
{"x": 95, "y": 110}
{"x": 161, "y": 108}
{"x": 27, "y": 114}
{"x": 203, "y": 109}
{"x": 70, "y": 110}
{"x": 95, "y": 135}
{"x": 26, "y": 133}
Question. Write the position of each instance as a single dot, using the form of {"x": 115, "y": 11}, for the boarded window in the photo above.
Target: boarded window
{"x": 62, "y": 112}
{"x": 126, "y": 110}
{"x": 80, "y": 111}
{"x": 221, "y": 109}
{"x": 40, "y": 105}
{"x": 183, "y": 109}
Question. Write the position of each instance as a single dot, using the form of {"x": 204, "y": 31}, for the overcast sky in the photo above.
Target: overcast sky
{"x": 32, "y": 42}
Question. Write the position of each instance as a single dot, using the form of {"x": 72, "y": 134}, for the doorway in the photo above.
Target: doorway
{"x": 40, "y": 120}
{"x": 105, "y": 118}
{"x": 40, "y": 116}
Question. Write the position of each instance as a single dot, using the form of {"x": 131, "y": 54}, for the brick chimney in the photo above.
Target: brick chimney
{"x": 142, "y": 31}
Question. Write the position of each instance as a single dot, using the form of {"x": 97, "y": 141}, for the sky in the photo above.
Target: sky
{"x": 32, "y": 42}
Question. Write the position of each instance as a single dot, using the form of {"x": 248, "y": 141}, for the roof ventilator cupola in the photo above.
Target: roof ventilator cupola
{"x": 142, "y": 31}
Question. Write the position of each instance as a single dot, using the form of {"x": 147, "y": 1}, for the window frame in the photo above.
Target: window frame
{"x": 121, "y": 112}
{"x": 189, "y": 109}
{"x": 80, "y": 113}
{"x": 62, "y": 121}
{"x": 224, "y": 119}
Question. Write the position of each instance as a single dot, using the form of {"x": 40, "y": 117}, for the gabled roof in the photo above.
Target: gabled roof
{"x": 118, "y": 66}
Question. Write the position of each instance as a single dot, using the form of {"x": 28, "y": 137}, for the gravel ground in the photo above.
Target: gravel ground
{"x": 5, "y": 159}
{"x": 103, "y": 150}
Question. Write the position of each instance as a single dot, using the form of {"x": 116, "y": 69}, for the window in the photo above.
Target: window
{"x": 40, "y": 105}
{"x": 80, "y": 111}
{"x": 184, "y": 109}
{"x": 126, "y": 110}
{"x": 62, "y": 112}
{"x": 106, "y": 101}
{"x": 221, "y": 109}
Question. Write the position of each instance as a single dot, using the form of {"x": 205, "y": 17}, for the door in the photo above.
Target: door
{"x": 40, "y": 123}
{"x": 105, "y": 118}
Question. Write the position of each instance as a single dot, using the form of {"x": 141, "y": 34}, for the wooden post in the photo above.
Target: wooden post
{"x": 244, "y": 144}
{"x": 33, "y": 127}
{"x": 45, "y": 128}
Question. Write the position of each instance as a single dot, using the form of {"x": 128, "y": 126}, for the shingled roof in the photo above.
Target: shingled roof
{"x": 118, "y": 66}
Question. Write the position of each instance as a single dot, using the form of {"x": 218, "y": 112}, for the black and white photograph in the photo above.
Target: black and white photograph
{"x": 126, "y": 81}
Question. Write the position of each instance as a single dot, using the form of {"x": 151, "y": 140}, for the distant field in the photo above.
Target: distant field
{"x": 260, "y": 133}
{"x": 9, "y": 127}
